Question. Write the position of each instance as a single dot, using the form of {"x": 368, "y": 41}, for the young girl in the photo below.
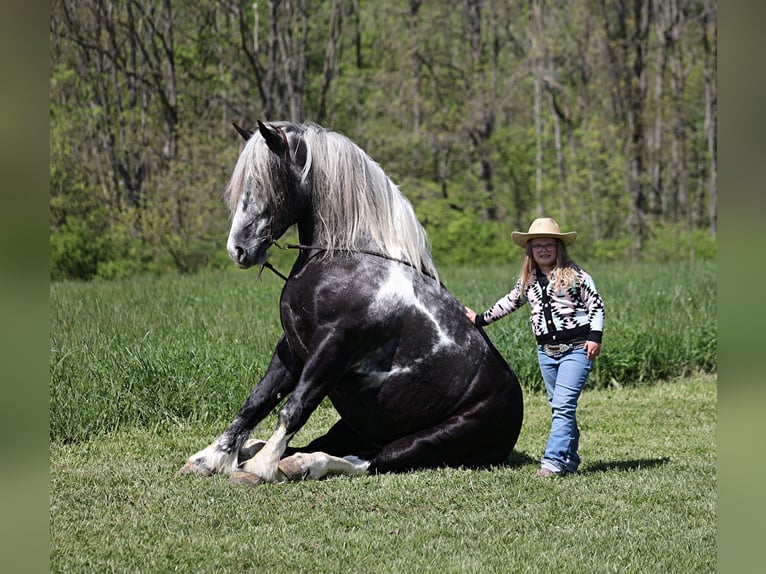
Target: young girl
{"x": 567, "y": 317}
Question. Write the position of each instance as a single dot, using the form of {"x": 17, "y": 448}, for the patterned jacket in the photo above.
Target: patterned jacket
{"x": 562, "y": 315}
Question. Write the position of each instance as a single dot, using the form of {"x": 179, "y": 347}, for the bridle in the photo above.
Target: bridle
{"x": 301, "y": 247}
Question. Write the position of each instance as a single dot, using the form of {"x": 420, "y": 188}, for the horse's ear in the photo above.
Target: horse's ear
{"x": 275, "y": 139}
{"x": 243, "y": 132}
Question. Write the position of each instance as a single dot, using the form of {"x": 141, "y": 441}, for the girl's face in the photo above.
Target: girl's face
{"x": 544, "y": 251}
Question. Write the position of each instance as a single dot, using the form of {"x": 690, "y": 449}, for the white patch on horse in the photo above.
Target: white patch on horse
{"x": 376, "y": 376}
{"x": 397, "y": 288}
{"x": 369, "y": 368}
{"x": 265, "y": 463}
{"x": 318, "y": 465}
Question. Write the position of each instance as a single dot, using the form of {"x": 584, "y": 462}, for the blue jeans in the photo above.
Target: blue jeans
{"x": 564, "y": 377}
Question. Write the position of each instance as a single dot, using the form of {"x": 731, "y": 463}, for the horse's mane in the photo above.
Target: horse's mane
{"x": 351, "y": 194}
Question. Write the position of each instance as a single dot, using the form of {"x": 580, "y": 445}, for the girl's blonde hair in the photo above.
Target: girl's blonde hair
{"x": 564, "y": 274}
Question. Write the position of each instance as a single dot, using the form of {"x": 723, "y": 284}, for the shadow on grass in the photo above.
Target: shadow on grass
{"x": 622, "y": 465}
{"x": 517, "y": 459}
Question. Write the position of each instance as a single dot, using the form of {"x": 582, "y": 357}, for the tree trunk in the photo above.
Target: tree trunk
{"x": 415, "y": 67}
{"x": 711, "y": 101}
{"x": 681, "y": 208}
{"x": 628, "y": 44}
{"x": 665, "y": 40}
{"x": 547, "y": 77}
{"x": 537, "y": 73}
{"x": 330, "y": 65}
{"x": 171, "y": 111}
{"x": 481, "y": 118}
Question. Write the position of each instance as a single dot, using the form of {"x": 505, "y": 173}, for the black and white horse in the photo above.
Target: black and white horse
{"x": 366, "y": 323}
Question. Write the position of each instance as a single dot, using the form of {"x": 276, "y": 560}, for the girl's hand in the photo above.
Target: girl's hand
{"x": 471, "y": 314}
{"x": 592, "y": 349}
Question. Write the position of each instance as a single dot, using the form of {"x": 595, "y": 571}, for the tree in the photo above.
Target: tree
{"x": 487, "y": 112}
{"x": 627, "y": 30}
{"x": 709, "y": 43}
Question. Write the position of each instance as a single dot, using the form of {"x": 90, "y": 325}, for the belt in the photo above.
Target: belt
{"x": 561, "y": 348}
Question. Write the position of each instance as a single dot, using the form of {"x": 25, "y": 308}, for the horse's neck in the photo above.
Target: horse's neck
{"x": 309, "y": 235}
{"x": 307, "y": 238}
{"x": 307, "y": 232}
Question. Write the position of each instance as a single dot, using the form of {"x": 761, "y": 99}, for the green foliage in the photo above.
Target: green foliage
{"x": 669, "y": 242}
{"x": 617, "y": 249}
{"x": 458, "y": 237}
{"x": 75, "y": 251}
{"x": 89, "y": 250}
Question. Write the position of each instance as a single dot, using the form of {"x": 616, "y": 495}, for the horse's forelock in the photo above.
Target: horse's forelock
{"x": 252, "y": 169}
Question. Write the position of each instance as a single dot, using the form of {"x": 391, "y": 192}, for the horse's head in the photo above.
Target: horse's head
{"x": 265, "y": 195}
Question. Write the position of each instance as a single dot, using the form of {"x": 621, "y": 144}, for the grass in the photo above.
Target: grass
{"x": 146, "y": 372}
{"x": 157, "y": 352}
{"x": 645, "y": 501}
{"x": 661, "y": 320}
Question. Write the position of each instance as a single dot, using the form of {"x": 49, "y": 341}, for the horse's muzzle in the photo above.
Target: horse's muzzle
{"x": 245, "y": 258}
{"x": 239, "y": 256}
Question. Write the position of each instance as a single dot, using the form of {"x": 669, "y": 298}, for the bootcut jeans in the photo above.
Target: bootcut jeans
{"x": 564, "y": 376}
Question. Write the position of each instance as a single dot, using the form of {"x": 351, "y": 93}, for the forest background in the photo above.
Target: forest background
{"x": 487, "y": 114}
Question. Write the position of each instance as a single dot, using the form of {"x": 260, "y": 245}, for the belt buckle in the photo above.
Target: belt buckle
{"x": 558, "y": 349}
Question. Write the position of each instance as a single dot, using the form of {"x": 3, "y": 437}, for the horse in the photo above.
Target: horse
{"x": 366, "y": 323}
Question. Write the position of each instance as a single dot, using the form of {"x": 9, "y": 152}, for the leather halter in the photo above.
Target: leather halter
{"x": 300, "y": 247}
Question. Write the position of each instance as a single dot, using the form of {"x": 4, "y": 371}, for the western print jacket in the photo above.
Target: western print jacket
{"x": 557, "y": 315}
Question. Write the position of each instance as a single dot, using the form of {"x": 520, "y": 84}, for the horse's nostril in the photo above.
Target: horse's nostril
{"x": 239, "y": 253}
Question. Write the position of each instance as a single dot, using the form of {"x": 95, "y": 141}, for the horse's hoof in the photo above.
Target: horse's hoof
{"x": 290, "y": 469}
{"x": 194, "y": 468}
{"x": 245, "y": 478}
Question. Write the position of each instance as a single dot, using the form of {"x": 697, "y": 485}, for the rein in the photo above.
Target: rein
{"x": 270, "y": 267}
{"x": 301, "y": 247}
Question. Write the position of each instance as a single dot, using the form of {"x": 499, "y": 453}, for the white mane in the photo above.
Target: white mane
{"x": 352, "y": 197}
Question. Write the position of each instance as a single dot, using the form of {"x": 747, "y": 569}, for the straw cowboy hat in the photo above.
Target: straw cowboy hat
{"x": 543, "y": 227}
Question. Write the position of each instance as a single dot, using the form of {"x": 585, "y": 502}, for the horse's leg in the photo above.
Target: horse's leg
{"x": 323, "y": 367}
{"x": 339, "y": 441}
{"x": 480, "y": 436}
{"x": 339, "y": 451}
{"x": 222, "y": 454}
{"x": 320, "y": 465}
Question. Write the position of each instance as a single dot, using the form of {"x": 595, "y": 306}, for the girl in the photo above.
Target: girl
{"x": 567, "y": 317}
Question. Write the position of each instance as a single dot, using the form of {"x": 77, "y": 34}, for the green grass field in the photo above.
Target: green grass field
{"x": 146, "y": 372}
{"x": 644, "y": 501}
